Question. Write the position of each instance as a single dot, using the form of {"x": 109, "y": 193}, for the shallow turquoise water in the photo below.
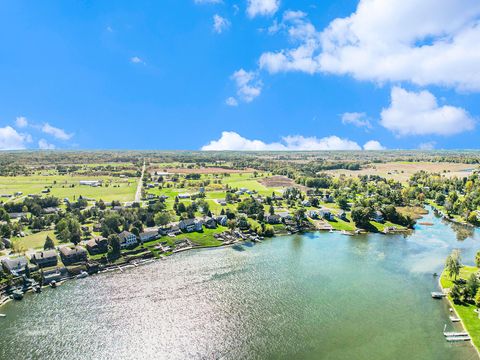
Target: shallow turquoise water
{"x": 313, "y": 296}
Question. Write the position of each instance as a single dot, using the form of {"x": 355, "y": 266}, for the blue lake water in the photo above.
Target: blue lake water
{"x": 311, "y": 296}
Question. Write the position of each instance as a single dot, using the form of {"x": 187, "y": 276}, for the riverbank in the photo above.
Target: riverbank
{"x": 469, "y": 318}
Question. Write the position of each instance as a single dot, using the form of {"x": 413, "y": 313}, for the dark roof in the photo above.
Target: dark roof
{"x": 68, "y": 251}
{"x": 13, "y": 263}
{"x": 44, "y": 254}
{"x": 188, "y": 222}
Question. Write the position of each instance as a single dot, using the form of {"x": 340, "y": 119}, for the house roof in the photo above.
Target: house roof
{"x": 45, "y": 254}
{"x": 13, "y": 263}
{"x": 125, "y": 234}
{"x": 68, "y": 251}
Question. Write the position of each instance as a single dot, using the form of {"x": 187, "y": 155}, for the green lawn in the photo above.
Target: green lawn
{"x": 204, "y": 238}
{"x": 34, "y": 241}
{"x": 466, "y": 312}
{"x": 339, "y": 224}
{"x": 121, "y": 189}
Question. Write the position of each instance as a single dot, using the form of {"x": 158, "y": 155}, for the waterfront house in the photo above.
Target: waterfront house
{"x": 45, "y": 258}
{"x": 127, "y": 239}
{"x": 148, "y": 235}
{"x": 342, "y": 215}
{"x": 312, "y": 214}
{"x": 285, "y": 215}
{"x": 73, "y": 255}
{"x": 184, "y": 196}
{"x": 221, "y": 220}
{"x": 273, "y": 219}
{"x": 190, "y": 225}
{"x": 97, "y": 245}
{"x": 326, "y": 214}
{"x": 51, "y": 275}
{"x": 15, "y": 266}
{"x": 306, "y": 203}
{"x": 378, "y": 217}
{"x": 209, "y": 223}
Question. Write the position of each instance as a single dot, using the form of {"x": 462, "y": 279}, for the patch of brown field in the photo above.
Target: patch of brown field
{"x": 280, "y": 181}
{"x": 207, "y": 170}
{"x": 402, "y": 171}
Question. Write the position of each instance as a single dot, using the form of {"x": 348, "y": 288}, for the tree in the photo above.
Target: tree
{"x": 472, "y": 286}
{"x": 477, "y": 298}
{"x": 48, "y": 244}
{"x": 456, "y": 293}
{"x": 453, "y": 264}
{"x": 162, "y": 218}
{"x": 271, "y": 210}
{"x": 477, "y": 259}
{"x": 231, "y": 224}
{"x": 114, "y": 244}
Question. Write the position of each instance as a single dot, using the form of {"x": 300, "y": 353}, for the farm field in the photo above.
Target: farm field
{"x": 67, "y": 186}
{"x": 403, "y": 170}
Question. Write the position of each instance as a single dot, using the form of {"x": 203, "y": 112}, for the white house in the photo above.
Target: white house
{"x": 189, "y": 225}
{"x": 127, "y": 239}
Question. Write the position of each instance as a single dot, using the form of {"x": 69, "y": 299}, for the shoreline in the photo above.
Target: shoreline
{"x": 452, "y": 306}
{"x": 135, "y": 263}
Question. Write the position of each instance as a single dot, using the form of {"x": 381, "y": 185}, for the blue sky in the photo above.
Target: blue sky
{"x": 239, "y": 75}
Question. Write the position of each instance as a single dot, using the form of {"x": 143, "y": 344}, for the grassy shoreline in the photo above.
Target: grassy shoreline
{"x": 469, "y": 319}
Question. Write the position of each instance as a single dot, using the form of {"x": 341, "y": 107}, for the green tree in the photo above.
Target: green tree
{"x": 472, "y": 286}
{"x": 456, "y": 293}
{"x": 114, "y": 244}
{"x": 453, "y": 264}
{"x": 162, "y": 218}
{"x": 48, "y": 244}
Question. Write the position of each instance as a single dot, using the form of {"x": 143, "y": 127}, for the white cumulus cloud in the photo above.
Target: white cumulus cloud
{"x": 56, "y": 132}
{"x": 45, "y": 145}
{"x": 357, "y": 119}
{"x": 248, "y": 85}
{"x": 220, "y": 24}
{"x": 231, "y": 101}
{"x": 232, "y": 141}
{"x": 262, "y": 7}
{"x": 10, "y": 139}
{"x": 21, "y": 122}
{"x": 373, "y": 145}
{"x": 426, "y": 42}
{"x": 418, "y": 113}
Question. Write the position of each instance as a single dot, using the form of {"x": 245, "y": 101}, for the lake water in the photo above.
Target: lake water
{"x": 313, "y": 296}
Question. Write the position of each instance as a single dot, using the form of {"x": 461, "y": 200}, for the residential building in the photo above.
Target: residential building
{"x": 273, "y": 219}
{"x": 326, "y": 214}
{"x": 148, "y": 236}
{"x": 221, "y": 220}
{"x": 209, "y": 223}
{"x": 306, "y": 203}
{"x": 312, "y": 214}
{"x": 190, "y": 225}
{"x": 15, "y": 266}
{"x": 45, "y": 258}
{"x": 73, "y": 255}
{"x": 97, "y": 245}
{"x": 127, "y": 239}
{"x": 378, "y": 217}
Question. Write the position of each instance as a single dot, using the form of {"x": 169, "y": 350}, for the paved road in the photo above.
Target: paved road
{"x": 138, "y": 194}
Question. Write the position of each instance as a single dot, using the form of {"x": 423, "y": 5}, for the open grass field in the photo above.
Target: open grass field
{"x": 34, "y": 241}
{"x": 67, "y": 186}
{"x": 466, "y": 312}
{"x": 403, "y": 170}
